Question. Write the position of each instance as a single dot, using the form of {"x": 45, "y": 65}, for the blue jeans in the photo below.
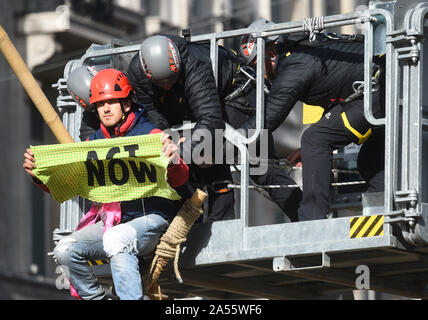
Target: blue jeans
{"x": 122, "y": 244}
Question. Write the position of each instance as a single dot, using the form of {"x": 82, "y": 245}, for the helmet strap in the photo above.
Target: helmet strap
{"x": 123, "y": 124}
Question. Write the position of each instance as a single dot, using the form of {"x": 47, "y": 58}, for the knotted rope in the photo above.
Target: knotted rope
{"x": 169, "y": 245}
{"x": 314, "y": 25}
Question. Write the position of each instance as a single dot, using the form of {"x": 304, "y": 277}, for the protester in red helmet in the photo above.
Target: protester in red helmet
{"x": 142, "y": 221}
{"x": 174, "y": 80}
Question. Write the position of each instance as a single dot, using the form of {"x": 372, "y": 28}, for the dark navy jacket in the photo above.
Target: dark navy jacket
{"x": 166, "y": 208}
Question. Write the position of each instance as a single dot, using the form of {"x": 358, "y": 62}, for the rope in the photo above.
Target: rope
{"x": 286, "y": 164}
{"x": 277, "y": 186}
{"x": 314, "y": 25}
{"x": 169, "y": 246}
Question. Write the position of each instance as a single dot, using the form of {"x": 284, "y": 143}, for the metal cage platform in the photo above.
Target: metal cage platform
{"x": 307, "y": 260}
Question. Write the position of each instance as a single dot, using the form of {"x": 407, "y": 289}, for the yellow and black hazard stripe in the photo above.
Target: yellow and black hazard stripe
{"x": 92, "y": 262}
{"x": 366, "y": 226}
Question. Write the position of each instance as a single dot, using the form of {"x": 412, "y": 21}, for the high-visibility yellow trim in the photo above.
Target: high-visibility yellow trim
{"x": 355, "y": 224}
{"x": 375, "y": 229}
{"x": 311, "y": 114}
{"x": 366, "y": 226}
{"x": 362, "y": 138}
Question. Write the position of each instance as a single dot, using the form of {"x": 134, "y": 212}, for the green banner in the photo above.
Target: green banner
{"x": 105, "y": 170}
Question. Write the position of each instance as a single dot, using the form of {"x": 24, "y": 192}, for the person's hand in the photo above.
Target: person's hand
{"x": 29, "y": 162}
{"x": 170, "y": 149}
{"x": 296, "y": 158}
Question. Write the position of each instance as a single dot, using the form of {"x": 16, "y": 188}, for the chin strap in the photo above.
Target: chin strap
{"x": 122, "y": 128}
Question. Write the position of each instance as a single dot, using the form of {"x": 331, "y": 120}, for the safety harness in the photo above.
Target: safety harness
{"x": 245, "y": 76}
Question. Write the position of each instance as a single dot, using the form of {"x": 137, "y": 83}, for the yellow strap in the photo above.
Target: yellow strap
{"x": 362, "y": 138}
{"x": 311, "y": 114}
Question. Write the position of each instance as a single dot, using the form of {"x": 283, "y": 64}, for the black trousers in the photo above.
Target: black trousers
{"x": 287, "y": 199}
{"x": 215, "y": 178}
{"x": 319, "y": 141}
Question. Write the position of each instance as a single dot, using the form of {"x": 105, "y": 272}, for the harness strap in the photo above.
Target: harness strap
{"x": 358, "y": 86}
{"x": 245, "y": 87}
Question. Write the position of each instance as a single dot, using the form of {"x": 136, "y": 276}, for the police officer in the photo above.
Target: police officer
{"x": 323, "y": 72}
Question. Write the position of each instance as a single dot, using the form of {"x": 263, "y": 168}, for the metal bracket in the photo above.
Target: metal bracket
{"x": 402, "y": 216}
{"x": 409, "y": 52}
{"x": 284, "y": 263}
{"x": 404, "y": 196}
{"x": 64, "y": 100}
{"x": 409, "y": 214}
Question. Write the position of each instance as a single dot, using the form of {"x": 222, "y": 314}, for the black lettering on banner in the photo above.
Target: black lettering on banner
{"x": 131, "y": 150}
{"x": 112, "y": 152}
{"x": 140, "y": 173}
{"x": 95, "y": 171}
{"x": 92, "y": 155}
{"x": 111, "y": 172}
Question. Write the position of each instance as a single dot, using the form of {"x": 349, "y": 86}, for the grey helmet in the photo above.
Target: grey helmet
{"x": 248, "y": 48}
{"x": 160, "y": 60}
{"x": 79, "y": 84}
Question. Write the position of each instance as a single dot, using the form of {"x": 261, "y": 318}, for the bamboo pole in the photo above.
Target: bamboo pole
{"x": 32, "y": 88}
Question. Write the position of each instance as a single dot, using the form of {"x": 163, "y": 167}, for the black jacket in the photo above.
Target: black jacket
{"x": 313, "y": 73}
{"x": 194, "y": 97}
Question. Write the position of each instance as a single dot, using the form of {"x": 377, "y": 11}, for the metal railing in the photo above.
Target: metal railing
{"x": 364, "y": 17}
{"x": 231, "y": 134}
{"x": 413, "y": 96}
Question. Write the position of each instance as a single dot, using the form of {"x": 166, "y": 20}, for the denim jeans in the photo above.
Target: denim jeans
{"x": 122, "y": 244}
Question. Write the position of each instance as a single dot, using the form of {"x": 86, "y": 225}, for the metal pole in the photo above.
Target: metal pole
{"x": 214, "y": 57}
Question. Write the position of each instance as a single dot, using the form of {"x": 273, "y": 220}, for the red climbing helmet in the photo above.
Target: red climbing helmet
{"x": 109, "y": 84}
